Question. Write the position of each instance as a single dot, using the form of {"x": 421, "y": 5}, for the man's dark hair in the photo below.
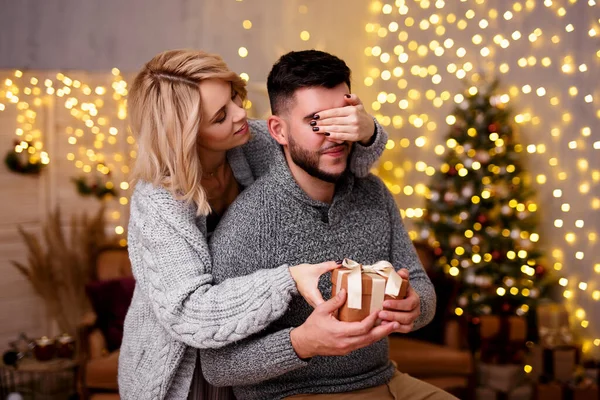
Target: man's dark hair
{"x": 303, "y": 69}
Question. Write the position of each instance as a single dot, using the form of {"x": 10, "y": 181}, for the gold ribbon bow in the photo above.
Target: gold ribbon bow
{"x": 376, "y": 271}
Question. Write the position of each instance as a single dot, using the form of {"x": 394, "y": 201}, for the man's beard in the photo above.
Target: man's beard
{"x": 309, "y": 162}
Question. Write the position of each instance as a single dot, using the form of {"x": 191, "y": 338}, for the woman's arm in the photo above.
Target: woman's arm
{"x": 259, "y": 150}
{"x": 171, "y": 264}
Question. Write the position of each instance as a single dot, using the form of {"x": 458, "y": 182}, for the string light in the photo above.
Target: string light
{"x": 28, "y": 105}
{"x": 95, "y": 139}
{"x": 473, "y": 36}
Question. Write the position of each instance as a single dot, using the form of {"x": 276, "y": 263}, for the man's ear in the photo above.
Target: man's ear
{"x": 278, "y": 128}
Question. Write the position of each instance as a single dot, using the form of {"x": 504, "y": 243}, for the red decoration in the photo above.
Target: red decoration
{"x": 540, "y": 270}
{"x": 496, "y": 255}
{"x": 482, "y": 219}
{"x": 438, "y": 251}
{"x": 452, "y": 171}
{"x": 492, "y": 128}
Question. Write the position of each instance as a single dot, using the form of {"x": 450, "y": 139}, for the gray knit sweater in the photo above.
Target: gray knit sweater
{"x": 274, "y": 221}
{"x": 175, "y": 307}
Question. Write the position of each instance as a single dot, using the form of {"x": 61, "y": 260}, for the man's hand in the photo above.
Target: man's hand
{"x": 351, "y": 123}
{"x": 404, "y": 311}
{"x": 307, "y": 280}
{"x": 324, "y": 335}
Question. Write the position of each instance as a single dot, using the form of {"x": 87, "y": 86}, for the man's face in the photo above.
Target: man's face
{"x": 314, "y": 152}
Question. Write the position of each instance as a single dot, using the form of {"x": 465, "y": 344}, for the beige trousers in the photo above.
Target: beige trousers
{"x": 401, "y": 387}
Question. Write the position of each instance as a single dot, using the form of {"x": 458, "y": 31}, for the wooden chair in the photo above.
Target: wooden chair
{"x": 98, "y": 366}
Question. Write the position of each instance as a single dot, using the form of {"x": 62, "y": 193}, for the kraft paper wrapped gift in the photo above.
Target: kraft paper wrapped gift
{"x": 560, "y": 362}
{"x": 549, "y": 391}
{"x": 367, "y": 287}
{"x": 582, "y": 392}
{"x": 522, "y": 392}
{"x": 502, "y": 378}
{"x": 553, "y": 325}
{"x": 502, "y": 339}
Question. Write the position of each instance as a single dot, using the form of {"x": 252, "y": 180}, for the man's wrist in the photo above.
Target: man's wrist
{"x": 297, "y": 339}
{"x": 370, "y": 140}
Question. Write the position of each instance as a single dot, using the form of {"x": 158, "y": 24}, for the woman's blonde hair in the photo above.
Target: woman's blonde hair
{"x": 165, "y": 114}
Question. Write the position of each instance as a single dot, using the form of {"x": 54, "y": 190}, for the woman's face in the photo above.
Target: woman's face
{"x": 224, "y": 125}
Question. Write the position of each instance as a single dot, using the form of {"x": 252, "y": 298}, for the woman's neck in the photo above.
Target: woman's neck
{"x": 213, "y": 162}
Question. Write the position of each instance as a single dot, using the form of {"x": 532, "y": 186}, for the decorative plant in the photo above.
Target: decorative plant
{"x": 59, "y": 269}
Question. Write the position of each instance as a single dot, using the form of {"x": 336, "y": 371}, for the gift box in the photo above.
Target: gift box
{"x": 584, "y": 391}
{"x": 535, "y": 359}
{"x": 591, "y": 370}
{"x": 512, "y": 327}
{"x": 553, "y": 325}
{"x": 553, "y": 364}
{"x": 502, "y": 339}
{"x": 548, "y": 391}
{"x": 501, "y": 378}
{"x": 560, "y": 362}
{"x": 522, "y": 392}
{"x": 367, "y": 287}
{"x": 485, "y": 393}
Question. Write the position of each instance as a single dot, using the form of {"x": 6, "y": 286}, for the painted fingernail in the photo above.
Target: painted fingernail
{"x": 316, "y": 116}
{"x": 315, "y": 128}
{"x": 327, "y": 133}
{"x": 338, "y": 261}
{"x": 347, "y": 96}
{"x": 313, "y": 123}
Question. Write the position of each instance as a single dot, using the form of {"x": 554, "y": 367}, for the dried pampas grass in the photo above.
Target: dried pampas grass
{"x": 59, "y": 268}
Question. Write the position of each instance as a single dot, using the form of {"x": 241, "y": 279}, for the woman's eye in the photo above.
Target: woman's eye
{"x": 222, "y": 119}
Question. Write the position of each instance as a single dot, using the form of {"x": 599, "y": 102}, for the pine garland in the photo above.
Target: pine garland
{"x": 20, "y": 161}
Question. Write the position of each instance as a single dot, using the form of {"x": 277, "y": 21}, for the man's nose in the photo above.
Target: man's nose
{"x": 336, "y": 141}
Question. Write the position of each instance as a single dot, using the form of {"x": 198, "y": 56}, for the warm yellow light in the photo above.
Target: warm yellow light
{"x": 304, "y": 35}
{"x": 243, "y": 52}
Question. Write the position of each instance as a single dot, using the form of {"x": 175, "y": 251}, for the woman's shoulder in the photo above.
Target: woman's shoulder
{"x": 148, "y": 198}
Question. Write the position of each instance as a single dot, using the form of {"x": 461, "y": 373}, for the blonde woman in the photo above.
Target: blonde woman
{"x": 197, "y": 152}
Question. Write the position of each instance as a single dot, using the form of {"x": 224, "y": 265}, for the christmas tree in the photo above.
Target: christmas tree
{"x": 481, "y": 215}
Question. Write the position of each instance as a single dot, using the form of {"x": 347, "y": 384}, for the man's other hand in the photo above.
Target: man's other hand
{"x": 324, "y": 335}
{"x": 404, "y": 311}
